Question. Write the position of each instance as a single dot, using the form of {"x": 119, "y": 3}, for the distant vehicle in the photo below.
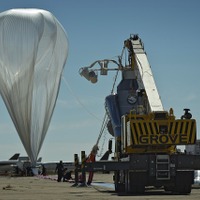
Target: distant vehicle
{"x": 16, "y": 163}
{"x": 51, "y": 166}
{"x": 6, "y": 165}
{"x": 194, "y": 150}
{"x": 12, "y": 160}
{"x": 20, "y": 163}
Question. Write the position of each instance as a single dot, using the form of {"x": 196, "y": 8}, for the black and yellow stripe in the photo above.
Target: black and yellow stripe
{"x": 148, "y": 132}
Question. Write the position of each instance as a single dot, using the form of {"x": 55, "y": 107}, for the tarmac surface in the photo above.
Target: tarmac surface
{"x": 47, "y": 188}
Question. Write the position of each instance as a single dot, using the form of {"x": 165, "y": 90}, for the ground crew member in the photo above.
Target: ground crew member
{"x": 59, "y": 170}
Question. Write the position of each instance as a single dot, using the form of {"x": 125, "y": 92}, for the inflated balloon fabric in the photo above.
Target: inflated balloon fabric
{"x": 33, "y": 52}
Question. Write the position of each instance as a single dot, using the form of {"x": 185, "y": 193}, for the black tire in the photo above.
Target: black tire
{"x": 119, "y": 187}
{"x": 137, "y": 183}
{"x": 184, "y": 181}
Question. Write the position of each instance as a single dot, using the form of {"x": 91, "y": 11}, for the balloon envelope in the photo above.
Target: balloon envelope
{"x": 33, "y": 52}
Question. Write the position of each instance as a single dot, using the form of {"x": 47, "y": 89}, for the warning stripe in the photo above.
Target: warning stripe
{"x": 134, "y": 133}
{"x": 147, "y": 128}
{"x": 193, "y": 132}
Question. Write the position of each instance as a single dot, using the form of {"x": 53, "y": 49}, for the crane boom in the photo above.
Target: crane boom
{"x": 145, "y": 76}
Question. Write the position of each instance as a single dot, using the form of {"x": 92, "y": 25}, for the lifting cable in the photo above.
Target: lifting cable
{"x": 105, "y": 119}
{"x": 78, "y": 100}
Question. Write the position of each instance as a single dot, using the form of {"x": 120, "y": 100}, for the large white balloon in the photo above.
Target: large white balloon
{"x": 33, "y": 52}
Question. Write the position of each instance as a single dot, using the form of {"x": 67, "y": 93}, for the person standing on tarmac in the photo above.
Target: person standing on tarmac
{"x": 59, "y": 170}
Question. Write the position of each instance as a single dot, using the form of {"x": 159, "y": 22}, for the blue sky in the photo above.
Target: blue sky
{"x": 96, "y": 30}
